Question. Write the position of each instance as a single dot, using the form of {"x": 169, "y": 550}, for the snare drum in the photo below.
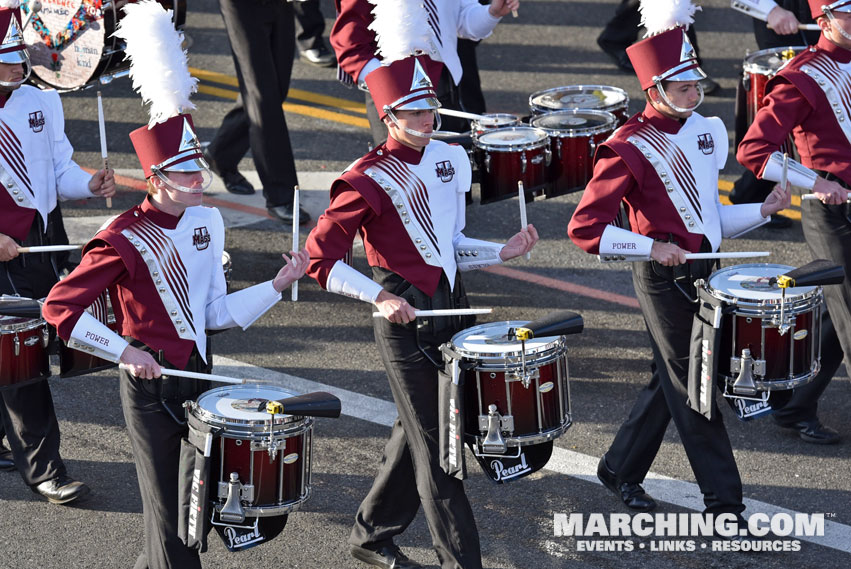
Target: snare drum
{"x": 71, "y": 43}
{"x": 595, "y": 97}
{"x": 271, "y": 459}
{"x": 761, "y": 66}
{"x": 507, "y": 155}
{"x": 23, "y": 350}
{"x": 784, "y": 344}
{"x": 507, "y": 403}
{"x": 493, "y": 121}
{"x": 574, "y": 136}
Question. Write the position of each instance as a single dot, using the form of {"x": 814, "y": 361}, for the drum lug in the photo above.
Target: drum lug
{"x": 506, "y": 423}
{"x": 746, "y": 81}
{"x": 494, "y": 443}
{"x": 523, "y": 162}
{"x": 525, "y": 378}
{"x": 548, "y": 154}
{"x": 232, "y": 511}
{"x": 592, "y": 147}
{"x": 45, "y": 337}
{"x": 746, "y": 367}
{"x": 488, "y": 163}
{"x": 17, "y": 346}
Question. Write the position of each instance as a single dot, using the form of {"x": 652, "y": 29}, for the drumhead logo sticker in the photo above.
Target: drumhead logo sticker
{"x": 37, "y": 121}
{"x": 290, "y": 458}
{"x": 201, "y": 238}
{"x": 504, "y": 472}
{"x": 705, "y": 143}
{"x": 444, "y": 171}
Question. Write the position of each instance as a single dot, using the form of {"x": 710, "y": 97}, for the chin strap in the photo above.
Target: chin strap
{"x": 411, "y": 131}
{"x": 661, "y": 90}
{"x": 835, "y": 23}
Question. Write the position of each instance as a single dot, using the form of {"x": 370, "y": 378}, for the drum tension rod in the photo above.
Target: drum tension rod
{"x": 784, "y": 282}
{"x": 273, "y": 408}
{"x": 524, "y": 334}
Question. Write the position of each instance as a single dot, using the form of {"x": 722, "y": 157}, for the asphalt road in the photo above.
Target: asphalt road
{"x": 328, "y": 339}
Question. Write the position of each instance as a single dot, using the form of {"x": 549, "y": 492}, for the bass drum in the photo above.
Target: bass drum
{"x": 71, "y": 43}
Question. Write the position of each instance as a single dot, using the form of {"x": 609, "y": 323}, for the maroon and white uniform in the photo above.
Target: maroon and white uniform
{"x": 36, "y": 167}
{"x": 666, "y": 175}
{"x": 165, "y": 280}
{"x": 355, "y": 45}
{"x": 409, "y": 208}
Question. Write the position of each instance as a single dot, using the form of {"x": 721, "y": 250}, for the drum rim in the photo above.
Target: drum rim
{"x": 750, "y": 66}
{"x": 295, "y": 423}
{"x": 577, "y": 132}
{"x": 23, "y": 326}
{"x": 484, "y": 145}
{"x": 814, "y": 291}
{"x": 543, "y": 351}
{"x": 517, "y": 120}
{"x": 535, "y": 107}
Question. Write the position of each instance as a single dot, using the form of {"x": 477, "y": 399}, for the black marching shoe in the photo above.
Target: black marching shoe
{"x": 812, "y": 431}
{"x": 62, "y": 489}
{"x": 632, "y": 494}
{"x": 235, "y": 182}
{"x": 6, "y": 461}
{"x": 387, "y": 557}
{"x": 285, "y": 213}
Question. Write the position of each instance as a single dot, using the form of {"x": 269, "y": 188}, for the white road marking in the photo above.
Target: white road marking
{"x": 582, "y": 466}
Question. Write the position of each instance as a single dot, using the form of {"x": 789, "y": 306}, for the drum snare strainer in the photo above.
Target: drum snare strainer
{"x": 263, "y": 460}
{"x": 770, "y": 333}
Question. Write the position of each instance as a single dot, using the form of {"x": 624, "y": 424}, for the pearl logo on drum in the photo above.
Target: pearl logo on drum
{"x": 444, "y": 171}
{"x": 705, "y": 143}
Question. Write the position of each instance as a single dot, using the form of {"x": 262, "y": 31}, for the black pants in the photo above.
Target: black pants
{"x": 311, "y": 22}
{"x": 447, "y": 94}
{"x": 27, "y": 416}
{"x": 410, "y": 474}
{"x": 262, "y": 42}
{"x": 152, "y": 409}
{"x": 668, "y": 315}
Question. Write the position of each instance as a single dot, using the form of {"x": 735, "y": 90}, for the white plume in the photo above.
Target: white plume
{"x": 658, "y": 16}
{"x": 10, "y": 4}
{"x": 401, "y": 29}
{"x": 158, "y": 64}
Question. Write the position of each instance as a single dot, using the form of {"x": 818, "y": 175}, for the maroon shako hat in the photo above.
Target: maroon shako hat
{"x": 171, "y": 145}
{"x": 668, "y": 56}
{"x": 826, "y": 7}
{"x": 405, "y": 85}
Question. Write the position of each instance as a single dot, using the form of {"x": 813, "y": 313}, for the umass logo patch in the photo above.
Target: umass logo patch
{"x": 705, "y": 143}
{"x": 201, "y": 238}
{"x": 444, "y": 171}
{"x": 37, "y": 121}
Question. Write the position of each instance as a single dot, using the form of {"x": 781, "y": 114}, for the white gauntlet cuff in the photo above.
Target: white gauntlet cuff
{"x": 347, "y": 281}
{"x": 93, "y": 336}
{"x": 797, "y": 174}
{"x": 471, "y": 254}
{"x": 247, "y": 305}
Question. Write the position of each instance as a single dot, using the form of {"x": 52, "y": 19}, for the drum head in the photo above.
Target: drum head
{"x": 241, "y": 405}
{"x": 769, "y": 61}
{"x": 574, "y": 122}
{"x": 600, "y": 97}
{"x": 512, "y": 138}
{"x": 496, "y": 120}
{"x": 15, "y": 323}
{"x": 752, "y": 283}
{"x": 492, "y": 340}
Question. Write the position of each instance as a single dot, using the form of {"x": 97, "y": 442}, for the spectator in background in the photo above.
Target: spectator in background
{"x": 312, "y": 48}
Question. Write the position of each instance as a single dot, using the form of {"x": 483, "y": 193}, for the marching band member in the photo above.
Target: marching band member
{"x": 406, "y": 199}
{"x": 353, "y": 38}
{"x": 161, "y": 263}
{"x": 662, "y": 166}
{"x": 35, "y": 169}
{"x": 808, "y": 98}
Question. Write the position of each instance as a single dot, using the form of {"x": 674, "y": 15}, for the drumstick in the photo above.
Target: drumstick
{"x": 102, "y": 128}
{"x": 445, "y": 312}
{"x": 295, "y": 236}
{"x": 815, "y": 197}
{"x": 465, "y": 115}
{"x": 523, "y": 222}
{"x": 192, "y": 375}
{"x": 689, "y": 256}
{"x": 751, "y": 11}
{"x": 34, "y": 7}
{"x": 48, "y": 248}
{"x": 514, "y": 13}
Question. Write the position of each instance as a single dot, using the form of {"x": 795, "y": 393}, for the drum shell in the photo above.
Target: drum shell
{"x": 756, "y": 76}
{"x": 480, "y": 127}
{"x": 540, "y": 412}
{"x": 23, "y": 351}
{"x": 501, "y": 167}
{"x": 572, "y": 164}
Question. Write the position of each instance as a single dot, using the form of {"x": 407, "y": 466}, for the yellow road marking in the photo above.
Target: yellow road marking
{"x": 299, "y": 94}
{"x": 293, "y": 108}
{"x": 724, "y": 186}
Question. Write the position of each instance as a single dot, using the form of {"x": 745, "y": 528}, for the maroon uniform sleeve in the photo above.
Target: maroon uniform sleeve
{"x": 335, "y": 230}
{"x": 601, "y": 200}
{"x": 785, "y": 108}
{"x": 100, "y": 269}
{"x": 352, "y": 40}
